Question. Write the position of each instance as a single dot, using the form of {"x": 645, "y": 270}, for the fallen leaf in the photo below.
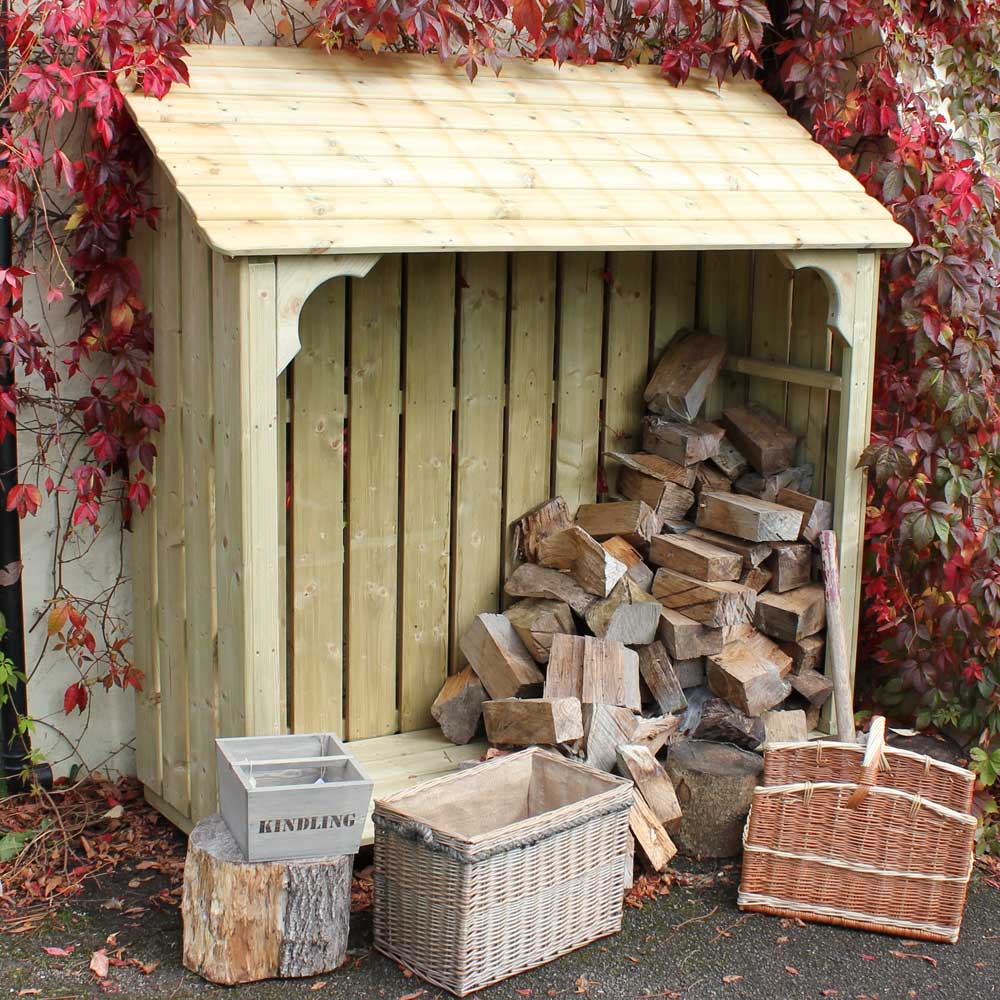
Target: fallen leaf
{"x": 28, "y": 993}
{"x": 317, "y": 986}
{"x": 112, "y": 940}
{"x": 923, "y": 958}
{"x": 143, "y": 866}
{"x": 829, "y": 993}
{"x": 60, "y": 952}
{"x": 523, "y": 993}
{"x": 732, "y": 979}
{"x": 868, "y": 958}
{"x": 144, "y": 967}
{"x": 634, "y": 959}
{"x": 113, "y": 904}
{"x": 781, "y": 940}
{"x": 99, "y": 964}
{"x": 791, "y": 971}
{"x": 115, "y": 812}
{"x": 413, "y": 996}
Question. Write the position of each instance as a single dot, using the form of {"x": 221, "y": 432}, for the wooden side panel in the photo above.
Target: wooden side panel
{"x": 429, "y": 402}
{"x": 725, "y": 291}
{"x": 578, "y": 375}
{"x": 627, "y": 357}
{"x": 170, "y": 503}
{"x": 675, "y": 296}
{"x": 319, "y": 410}
{"x": 281, "y": 475}
{"x": 477, "y": 506}
{"x": 199, "y": 512}
{"x": 373, "y": 501}
{"x": 145, "y": 642}
{"x": 810, "y": 348}
{"x": 770, "y": 327}
{"x": 529, "y": 388}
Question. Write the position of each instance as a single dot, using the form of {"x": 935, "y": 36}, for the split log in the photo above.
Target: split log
{"x": 656, "y": 467}
{"x": 768, "y": 445}
{"x": 593, "y": 567}
{"x": 749, "y": 518}
{"x": 750, "y": 674}
{"x": 806, "y": 654}
{"x": 729, "y": 461}
{"x": 522, "y": 722}
{"x": 674, "y": 527}
{"x": 709, "y": 479}
{"x": 657, "y": 732}
{"x": 685, "y": 444}
{"x": 634, "y": 520}
{"x": 714, "y": 784}
{"x": 668, "y": 501}
{"x": 756, "y": 579}
{"x": 817, "y": 514}
{"x": 787, "y": 726}
{"x": 596, "y": 671}
{"x": 652, "y": 781}
{"x": 737, "y": 632}
{"x": 638, "y": 572}
{"x": 546, "y": 519}
{"x": 721, "y": 722}
{"x": 791, "y": 566}
{"x": 627, "y": 615}
{"x": 650, "y": 834}
{"x": 690, "y": 672}
{"x": 752, "y": 553}
{"x": 712, "y": 604}
{"x": 685, "y": 371}
{"x": 536, "y": 620}
{"x": 459, "y": 706}
{"x": 657, "y": 671}
{"x": 685, "y": 638}
{"x": 608, "y": 727}
{"x": 793, "y": 615}
{"x": 529, "y": 580}
{"x": 815, "y": 687}
{"x": 768, "y": 487}
{"x": 246, "y": 921}
{"x": 501, "y": 662}
{"x": 695, "y": 557}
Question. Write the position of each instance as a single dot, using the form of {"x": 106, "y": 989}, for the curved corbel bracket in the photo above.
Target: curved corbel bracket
{"x": 839, "y": 271}
{"x": 297, "y": 279}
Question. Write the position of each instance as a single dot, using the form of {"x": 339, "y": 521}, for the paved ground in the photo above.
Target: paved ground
{"x": 692, "y": 944}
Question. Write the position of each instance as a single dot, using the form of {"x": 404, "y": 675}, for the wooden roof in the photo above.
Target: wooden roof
{"x": 289, "y": 151}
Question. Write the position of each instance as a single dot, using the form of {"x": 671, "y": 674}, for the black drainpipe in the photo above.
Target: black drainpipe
{"x": 15, "y": 749}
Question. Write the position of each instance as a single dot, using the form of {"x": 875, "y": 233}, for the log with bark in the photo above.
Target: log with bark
{"x": 714, "y": 784}
{"x": 248, "y": 921}
{"x": 720, "y": 722}
{"x": 815, "y": 687}
{"x": 458, "y": 707}
{"x": 546, "y": 519}
{"x": 529, "y": 580}
{"x": 685, "y": 444}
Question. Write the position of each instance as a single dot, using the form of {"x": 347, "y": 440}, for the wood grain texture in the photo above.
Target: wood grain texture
{"x": 477, "y": 504}
{"x": 373, "y": 502}
{"x": 319, "y": 411}
{"x": 429, "y": 401}
{"x": 675, "y": 296}
{"x": 770, "y": 329}
{"x": 578, "y": 404}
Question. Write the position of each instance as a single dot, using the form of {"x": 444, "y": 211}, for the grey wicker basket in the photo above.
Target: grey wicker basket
{"x": 488, "y": 872}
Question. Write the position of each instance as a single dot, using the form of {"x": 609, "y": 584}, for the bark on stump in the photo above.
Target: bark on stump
{"x": 245, "y": 921}
{"x": 714, "y": 784}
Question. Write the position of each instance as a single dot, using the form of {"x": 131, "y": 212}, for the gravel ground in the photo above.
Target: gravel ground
{"x": 692, "y": 943}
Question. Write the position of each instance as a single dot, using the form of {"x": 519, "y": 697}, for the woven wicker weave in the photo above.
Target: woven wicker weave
{"x": 489, "y": 872}
{"x": 843, "y": 846}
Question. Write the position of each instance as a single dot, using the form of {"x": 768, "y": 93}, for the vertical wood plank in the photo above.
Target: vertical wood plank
{"x": 142, "y": 540}
{"x": 281, "y": 473}
{"x": 199, "y": 512}
{"x": 770, "y": 327}
{"x": 245, "y": 393}
{"x": 675, "y": 296}
{"x": 319, "y": 409}
{"x": 373, "y": 501}
{"x": 578, "y": 408}
{"x": 832, "y": 471}
{"x": 628, "y": 340}
{"x": 427, "y": 459}
{"x": 478, "y": 499}
{"x": 809, "y": 348}
{"x": 529, "y": 393}
{"x": 170, "y": 504}
{"x": 724, "y": 296}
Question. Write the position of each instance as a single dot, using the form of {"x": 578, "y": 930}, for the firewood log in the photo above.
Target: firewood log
{"x": 685, "y": 444}
{"x": 458, "y": 707}
{"x": 526, "y": 721}
{"x": 499, "y": 658}
{"x": 765, "y": 442}
{"x": 684, "y": 373}
{"x": 596, "y": 671}
{"x": 749, "y": 518}
{"x": 594, "y": 568}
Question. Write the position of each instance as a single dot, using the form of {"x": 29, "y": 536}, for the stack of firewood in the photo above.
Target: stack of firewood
{"x": 683, "y": 609}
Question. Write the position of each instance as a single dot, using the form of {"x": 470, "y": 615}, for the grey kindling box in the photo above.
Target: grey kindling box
{"x": 286, "y": 797}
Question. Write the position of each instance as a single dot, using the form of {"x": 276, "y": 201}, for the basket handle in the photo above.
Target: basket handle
{"x": 872, "y": 762}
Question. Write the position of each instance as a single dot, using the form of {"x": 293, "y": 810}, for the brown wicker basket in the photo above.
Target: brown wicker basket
{"x": 492, "y": 871}
{"x": 867, "y": 848}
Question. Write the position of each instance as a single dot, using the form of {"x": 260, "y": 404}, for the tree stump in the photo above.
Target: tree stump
{"x": 714, "y": 783}
{"x": 245, "y": 921}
